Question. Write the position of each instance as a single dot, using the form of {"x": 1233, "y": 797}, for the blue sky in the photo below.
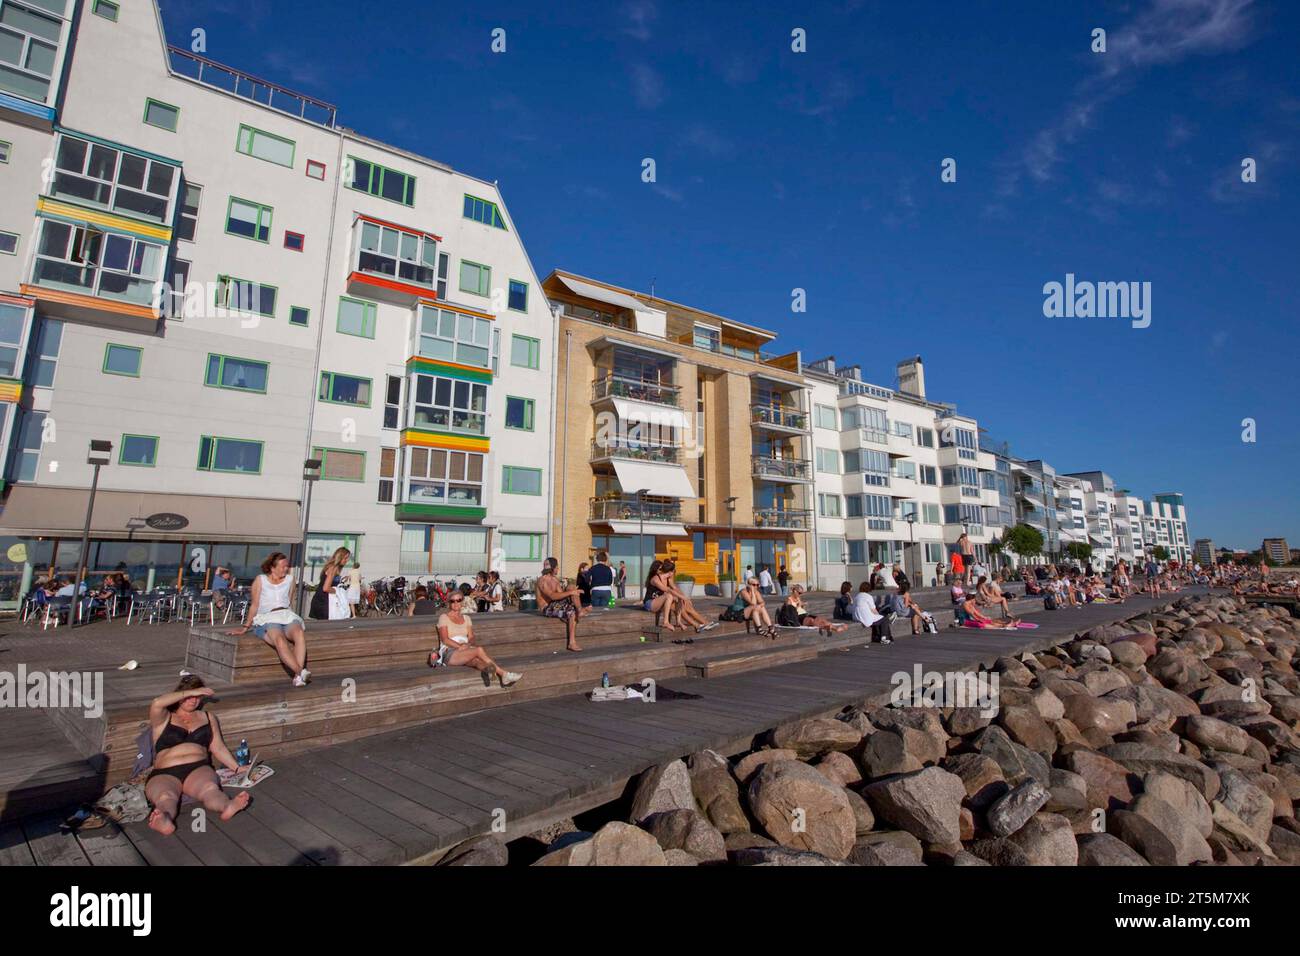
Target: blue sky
{"x": 821, "y": 170}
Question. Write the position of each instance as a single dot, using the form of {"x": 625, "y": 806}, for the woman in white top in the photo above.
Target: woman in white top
{"x": 271, "y": 617}
{"x": 456, "y": 645}
{"x": 864, "y": 606}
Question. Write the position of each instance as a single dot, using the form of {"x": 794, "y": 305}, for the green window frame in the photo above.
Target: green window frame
{"x": 214, "y": 375}
{"x": 323, "y": 454}
{"x": 481, "y": 210}
{"x": 106, "y": 9}
{"x": 482, "y": 278}
{"x": 511, "y": 475}
{"x": 153, "y": 452}
{"x": 209, "y": 451}
{"x": 529, "y": 411}
{"x": 6, "y": 150}
{"x": 376, "y": 180}
{"x": 521, "y": 545}
{"x": 247, "y": 142}
{"x": 299, "y": 316}
{"x": 159, "y": 115}
{"x": 256, "y": 291}
{"x": 112, "y": 347}
{"x": 511, "y": 287}
{"x": 533, "y": 349}
{"x": 259, "y": 229}
{"x": 328, "y": 380}
{"x": 368, "y": 312}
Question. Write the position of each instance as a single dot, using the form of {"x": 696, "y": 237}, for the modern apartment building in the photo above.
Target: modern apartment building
{"x": 898, "y": 477}
{"x": 1276, "y": 550}
{"x": 329, "y": 298}
{"x": 680, "y": 435}
{"x": 1203, "y": 551}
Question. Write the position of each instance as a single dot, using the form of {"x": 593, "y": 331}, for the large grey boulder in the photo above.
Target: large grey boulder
{"x": 1183, "y": 797}
{"x": 487, "y": 850}
{"x": 1018, "y": 762}
{"x": 1142, "y": 758}
{"x": 688, "y": 830}
{"x": 814, "y": 736}
{"x": 1188, "y": 844}
{"x": 665, "y": 787}
{"x": 1102, "y": 849}
{"x": 614, "y": 844}
{"x": 802, "y": 810}
{"x": 927, "y": 804}
{"x": 1047, "y": 839}
{"x": 716, "y": 791}
{"x": 1013, "y": 810}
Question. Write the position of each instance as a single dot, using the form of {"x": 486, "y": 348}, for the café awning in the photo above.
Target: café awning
{"x": 146, "y": 516}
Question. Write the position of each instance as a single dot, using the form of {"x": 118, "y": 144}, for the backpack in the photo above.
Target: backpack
{"x": 1049, "y": 603}
{"x": 787, "y": 616}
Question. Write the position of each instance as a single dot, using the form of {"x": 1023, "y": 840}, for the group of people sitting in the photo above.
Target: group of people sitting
{"x": 876, "y": 606}
{"x": 1252, "y": 579}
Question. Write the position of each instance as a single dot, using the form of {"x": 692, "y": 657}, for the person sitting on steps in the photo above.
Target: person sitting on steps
{"x": 456, "y": 647}
{"x": 559, "y": 602}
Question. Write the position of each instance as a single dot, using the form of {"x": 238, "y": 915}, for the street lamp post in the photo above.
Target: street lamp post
{"x": 731, "y": 532}
{"x": 912, "y": 572}
{"x": 640, "y": 538}
{"x": 101, "y": 453}
{"x": 310, "y": 474}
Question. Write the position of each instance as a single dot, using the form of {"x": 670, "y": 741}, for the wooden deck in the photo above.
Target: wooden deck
{"x": 409, "y": 795}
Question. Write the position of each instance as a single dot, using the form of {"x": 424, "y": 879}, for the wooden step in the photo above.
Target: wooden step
{"x": 735, "y": 663}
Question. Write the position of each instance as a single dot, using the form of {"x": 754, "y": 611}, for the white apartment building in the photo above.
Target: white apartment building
{"x": 346, "y": 301}
{"x": 897, "y": 477}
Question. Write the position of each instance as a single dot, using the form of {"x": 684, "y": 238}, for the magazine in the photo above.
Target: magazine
{"x": 245, "y": 777}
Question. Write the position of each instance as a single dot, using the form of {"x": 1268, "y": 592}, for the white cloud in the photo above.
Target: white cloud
{"x": 647, "y": 86}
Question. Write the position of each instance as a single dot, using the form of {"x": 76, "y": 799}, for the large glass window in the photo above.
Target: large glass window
{"x": 230, "y": 454}
{"x": 31, "y": 433}
{"x": 241, "y": 295}
{"x": 243, "y": 375}
{"x": 267, "y": 146}
{"x": 248, "y": 219}
{"x": 393, "y": 402}
{"x": 480, "y": 210}
{"x": 30, "y": 33}
{"x": 344, "y": 389}
{"x": 397, "y": 253}
{"x": 356, "y": 317}
{"x": 524, "y": 352}
{"x": 13, "y": 318}
{"x": 123, "y": 182}
{"x": 85, "y": 260}
{"x": 521, "y": 547}
{"x": 338, "y": 464}
{"x": 475, "y": 278}
{"x": 519, "y": 413}
{"x": 521, "y": 481}
{"x": 442, "y": 477}
{"x": 138, "y": 450}
{"x": 380, "y": 181}
{"x": 188, "y": 223}
{"x": 454, "y": 337}
{"x": 449, "y": 403}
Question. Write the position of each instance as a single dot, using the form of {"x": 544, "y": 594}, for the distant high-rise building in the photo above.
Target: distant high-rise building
{"x": 1203, "y": 550}
{"x": 1275, "y": 550}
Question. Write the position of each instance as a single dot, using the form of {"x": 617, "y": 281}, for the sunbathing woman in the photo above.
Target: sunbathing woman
{"x": 979, "y": 619}
{"x": 456, "y": 647}
{"x": 184, "y": 742}
{"x": 271, "y": 618}
{"x": 989, "y": 595}
{"x": 686, "y": 613}
{"x": 793, "y": 610}
{"x": 756, "y": 608}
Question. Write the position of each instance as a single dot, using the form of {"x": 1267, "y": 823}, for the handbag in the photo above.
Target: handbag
{"x": 339, "y": 607}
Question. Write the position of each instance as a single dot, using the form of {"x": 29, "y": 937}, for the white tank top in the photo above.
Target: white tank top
{"x": 274, "y": 595}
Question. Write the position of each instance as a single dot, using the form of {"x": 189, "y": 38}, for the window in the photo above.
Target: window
{"x": 12, "y": 320}
{"x": 525, "y": 352}
{"x": 356, "y": 317}
{"x": 113, "y": 179}
{"x": 925, "y": 437}
{"x": 825, "y": 417}
{"x": 480, "y": 210}
{"x": 29, "y": 46}
{"x": 189, "y": 218}
{"x": 933, "y": 552}
{"x": 162, "y": 115}
{"x": 344, "y": 389}
{"x": 49, "y": 337}
{"x": 110, "y": 265}
{"x": 393, "y": 402}
{"x": 828, "y": 506}
{"x": 475, "y": 278}
{"x": 828, "y": 461}
{"x": 315, "y": 169}
{"x": 905, "y": 469}
{"x": 441, "y": 477}
{"x": 248, "y": 219}
{"x": 122, "y": 360}
{"x": 875, "y": 467}
{"x": 30, "y": 435}
{"x": 243, "y": 375}
{"x": 339, "y": 465}
{"x": 521, "y": 547}
{"x": 6, "y": 149}
{"x": 9, "y": 243}
{"x": 138, "y": 450}
{"x": 875, "y": 425}
{"x": 521, "y": 481}
{"x": 832, "y": 550}
{"x": 518, "y": 296}
{"x": 397, "y": 253}
{"x": 294, "y": 241}
{"x": 106, "y": 9}
{"x": 454, "y": 337}
{"x": 299, "y": 315}
{"x": 929, "y": 476}
{"x": 519, "y": 413}
{"x": 708, "y": 338}
{"x": 379, "y": 181}
{"x": 387, "y": 474}
{"x": 449, "y": 403}
{"x": 273, "y": 149}
{"x": 230, "y": 454}
{"x": 241, "y": 295}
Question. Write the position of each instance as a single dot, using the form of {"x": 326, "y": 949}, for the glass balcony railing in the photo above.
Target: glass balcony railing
{"x": 630, "y": 508}
{"x": 635, "y": 451}
{"x": 794, "y": 519}
{"x": 796, "y": 469}
{"x": 779, "y": 417}
{"x": 637, "y": 390}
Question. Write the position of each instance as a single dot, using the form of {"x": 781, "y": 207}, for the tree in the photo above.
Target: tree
{"x": 1160, "y": 552}
{"x": 995, "y": 549}
{"x": 1081, "y": 551}
{"x": 1023, "y": 540}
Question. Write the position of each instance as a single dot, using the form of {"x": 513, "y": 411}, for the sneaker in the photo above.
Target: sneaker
{"x": 886, "y": 640}
{"x": 510, "y": 678}
{"x": 306, "y": 676}
{"x": 298, "y": 681}
{"x": 710, "y": 626}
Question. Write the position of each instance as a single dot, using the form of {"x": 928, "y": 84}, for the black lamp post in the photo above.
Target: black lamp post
{"x": 640, "y": 539}
{"x": 101, "y": 453}
{"x": 310, "y": 474}
{"x": 912, "y": 571}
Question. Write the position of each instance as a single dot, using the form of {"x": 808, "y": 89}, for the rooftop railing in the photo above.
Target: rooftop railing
{"x": 222, "y": 77}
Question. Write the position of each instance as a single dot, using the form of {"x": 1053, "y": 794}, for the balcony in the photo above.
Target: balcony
{"x": 630, "y": 508}
{"x": 781, "y": 469}
{"x": 628, "y": 450}
{"x": 875, "y": 436}
{"x": 783, "y": 518}
{"x": 392, "y": 263}
{"x": 782, "y": 420}
{"x": 636, "y": 390}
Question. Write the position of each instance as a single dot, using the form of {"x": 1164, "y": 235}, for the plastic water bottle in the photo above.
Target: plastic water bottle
{"x": 604, "y": 679}
{"x": 241, "y": 753}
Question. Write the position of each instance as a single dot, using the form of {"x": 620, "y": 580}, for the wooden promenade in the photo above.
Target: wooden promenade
{"x": 409, "y": 795}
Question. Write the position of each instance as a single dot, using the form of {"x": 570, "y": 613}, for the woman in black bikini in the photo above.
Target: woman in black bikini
{"x": 184, "y": 742}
